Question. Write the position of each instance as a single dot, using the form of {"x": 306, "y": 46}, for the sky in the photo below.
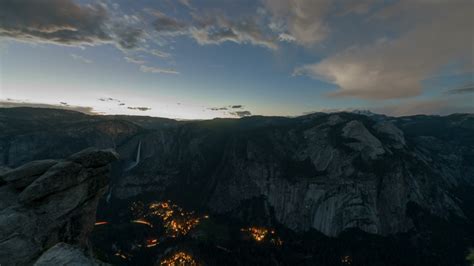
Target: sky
{"x": 201, "y": 59}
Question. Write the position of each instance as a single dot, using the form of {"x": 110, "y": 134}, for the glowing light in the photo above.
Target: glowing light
{"x": 260, "y": 234}
{"x": 257, "y": 233}
{"x": 140, "y": 221}
{"x": 179, "y": 259}
{"x": 175, "y": 219}
{"x": 121, "y": 255}
{"x": 101, "y": 223}
{"x": 347, "y": 260}
{"x": 151, "y": 242}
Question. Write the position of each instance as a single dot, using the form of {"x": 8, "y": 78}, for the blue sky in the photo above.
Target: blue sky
{"x": 195, "y": 59}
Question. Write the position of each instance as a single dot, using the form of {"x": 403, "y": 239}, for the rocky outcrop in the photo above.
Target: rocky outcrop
{"x": 47, "y": 202}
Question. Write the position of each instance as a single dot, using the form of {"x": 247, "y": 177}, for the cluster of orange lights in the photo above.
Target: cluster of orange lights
{"x": 260, "y": 234}
{"x": 176, "y": 221}
{"x": 179, "y": 259}
{"x": 257, "y": 233}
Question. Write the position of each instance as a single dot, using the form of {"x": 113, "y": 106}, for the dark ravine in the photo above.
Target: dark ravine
{"x": 48, "y": 208}
{"x": 399, "y": 178}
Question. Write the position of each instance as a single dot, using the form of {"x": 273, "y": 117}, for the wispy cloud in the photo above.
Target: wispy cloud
{"x": 186, "y": 3}
{"x": 223, "y": 108}
{"x": 149, "y": 69}
{"x": 134, "y": 60}
{"x": 109, "y": 99}
{"x": 168, "y": 25}
{"x": 302, "y": 21}
{"x": 139, "y": 108}
{"x": 55, "y": 21}
{"x": 64, "y": 22}
{"x": 218, "y": 108}
{"x": 214, "y": 28}
{"x": 468, "y": 88}
{"x": 81, "y": 58}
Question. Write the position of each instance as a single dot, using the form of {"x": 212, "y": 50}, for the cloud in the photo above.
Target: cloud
{"x": 168, "y": 25}
{"x": 81, "y": 58}
{"x": 217, "y": 108}
{"x": 128, "y": 37}
{"x": 109, "y": 99}
{"x": 236, "y": 106}
{"x": 285, "y": 37}
{"x": 395, "y": 68}
{"x": 63, "y": 105}
{"x": 304, "y": 20}
{"x": 134, "y": 60}
{"x": 54, "y": 21}
{"x": 241, "y": 113}
{"x": 469, "y": 88}
{"x": 64, "y": 22}
{"x": 143, "y": 109}
{"x": 149, "y": 69}
{"x": 215, "y": 29}
{"x": 359, "y": 7}
{"x": 186, "y": 3}
{"x": 159, "y": 53}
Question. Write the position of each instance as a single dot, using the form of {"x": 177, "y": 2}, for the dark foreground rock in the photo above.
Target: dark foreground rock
{"x": 65, "y": 254}
{"x": 47, "y": 208}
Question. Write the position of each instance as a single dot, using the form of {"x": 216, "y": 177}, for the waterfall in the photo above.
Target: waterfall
{"x": 137, "y": 157}
{"x": 109, "y": 195}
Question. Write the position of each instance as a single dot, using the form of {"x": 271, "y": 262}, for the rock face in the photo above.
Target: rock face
{"x": 328, "y": 172}
{"x": 48, "y": 202}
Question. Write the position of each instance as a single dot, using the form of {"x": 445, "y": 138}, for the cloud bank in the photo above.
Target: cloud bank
{"x": 396, "y": 67}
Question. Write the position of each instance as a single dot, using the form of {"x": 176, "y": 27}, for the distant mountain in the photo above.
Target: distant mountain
{"x": 408, "y": 180}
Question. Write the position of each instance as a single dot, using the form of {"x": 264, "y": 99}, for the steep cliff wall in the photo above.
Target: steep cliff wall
{"x": 328, "y": 172}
